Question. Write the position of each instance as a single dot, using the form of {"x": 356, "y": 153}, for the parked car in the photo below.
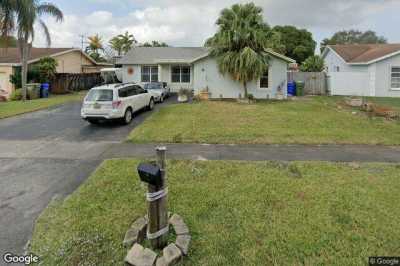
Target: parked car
{"x": 115, "y": 102}
{"x": 160, "y": 90}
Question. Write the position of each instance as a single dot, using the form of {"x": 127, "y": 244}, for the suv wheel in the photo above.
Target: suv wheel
{"x": 128, "y": 116}
{"x": 151, "y": 104}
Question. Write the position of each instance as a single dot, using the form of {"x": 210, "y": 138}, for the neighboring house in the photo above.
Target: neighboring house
{"x": 193, "y": 68}
{"x": 70, "y": 60}
{"x": 363, "y": 70}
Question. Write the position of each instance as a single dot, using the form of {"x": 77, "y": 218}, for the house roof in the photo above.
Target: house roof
{"x": 12, "y": 56}
{"x": 365, "y": 53}
{"x": 159, "y": 55}
{"x": 154, "y": 55}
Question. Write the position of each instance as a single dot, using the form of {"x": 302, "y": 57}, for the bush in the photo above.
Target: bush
{"x": 16, "y": 95}
{"x": 313, "y": 64}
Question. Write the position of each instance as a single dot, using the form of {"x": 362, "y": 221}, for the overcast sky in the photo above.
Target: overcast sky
{"x": 190, "y": 22}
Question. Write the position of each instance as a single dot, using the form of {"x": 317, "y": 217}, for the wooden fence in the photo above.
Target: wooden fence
{"x": 65, "y": 82}
{"x": 315, "y": 83}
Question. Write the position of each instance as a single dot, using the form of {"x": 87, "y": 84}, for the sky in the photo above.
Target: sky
{"x": 190, "y": 22}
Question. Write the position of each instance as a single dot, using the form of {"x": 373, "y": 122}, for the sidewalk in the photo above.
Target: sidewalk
{"x": 335, "y": 153}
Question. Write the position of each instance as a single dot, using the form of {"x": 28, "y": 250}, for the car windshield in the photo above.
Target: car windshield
{"x": 100, "y": 96}
{"x": 153, "y": 86}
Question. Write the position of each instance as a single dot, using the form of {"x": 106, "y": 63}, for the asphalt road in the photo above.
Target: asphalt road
{"x": 47, "y": 154}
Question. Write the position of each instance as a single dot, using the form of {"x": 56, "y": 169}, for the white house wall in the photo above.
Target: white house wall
{"x": 208, "y": 76}
{"x": 383, "y": 77}
{"x": 164, "y": 75}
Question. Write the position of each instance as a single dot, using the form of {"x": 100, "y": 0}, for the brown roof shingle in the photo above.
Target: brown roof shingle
{"x": 364, "y": 53}
{"x": 13, "y": 56}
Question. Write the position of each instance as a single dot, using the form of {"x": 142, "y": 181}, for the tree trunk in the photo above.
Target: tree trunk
{"x": 245, "y": 89}
{"x": 25, "y": 50}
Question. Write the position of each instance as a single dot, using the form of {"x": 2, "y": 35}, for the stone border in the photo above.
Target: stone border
{"x": 172, "y": 254}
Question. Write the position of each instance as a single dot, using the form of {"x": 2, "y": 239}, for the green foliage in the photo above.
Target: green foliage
{"x": 154, "y": 44}
{"x": 33, "y": 76}
{"x": 16, "y": 95}
{"x": 240, "y": 43}
{"x": 8, "y": 41}
{"x": 299, "y": 43}
{"x": 313, "y": 64}
{"x": 353, "y": 37}
{"x": 123, "y": 43}
{"x": 47, "y": 68}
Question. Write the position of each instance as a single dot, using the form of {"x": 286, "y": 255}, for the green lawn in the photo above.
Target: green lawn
{"x": 13, "y": 108}
{"x": 259, "y": 213}
{"x": 314, "y": 120}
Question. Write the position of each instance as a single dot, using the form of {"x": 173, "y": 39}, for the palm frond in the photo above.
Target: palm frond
{"x": 46, "y": 32}
{"x": 50, "y": 9}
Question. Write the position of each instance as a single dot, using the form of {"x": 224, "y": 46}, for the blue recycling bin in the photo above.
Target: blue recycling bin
{"x": 291, "y": 88}
{"x": 44, "y": 90}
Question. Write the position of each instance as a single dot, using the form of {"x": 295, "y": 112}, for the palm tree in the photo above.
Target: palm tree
{"x": 240, "y": 43}
{"x": 117, "y": 44}
{"x": 20, "y": 16}
{"x": 94, "y": 47}
{"x": 128, "y": 40}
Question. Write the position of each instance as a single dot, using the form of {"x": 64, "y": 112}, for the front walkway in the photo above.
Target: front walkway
{"x": 335, "y": 153}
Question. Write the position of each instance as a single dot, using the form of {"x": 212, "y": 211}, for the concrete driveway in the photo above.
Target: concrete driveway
{"x": 43, "y": 155}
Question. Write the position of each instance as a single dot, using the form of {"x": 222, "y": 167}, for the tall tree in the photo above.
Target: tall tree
{"x": 154, "y": 44}
{"x": 94, "y": 47}
{"x": 20, "y": 16}
{"x": 299, "y": 43}
{"x": 123, "y": 43}
{"x": 353, "y": 37}
{"x": 239, "y": 43}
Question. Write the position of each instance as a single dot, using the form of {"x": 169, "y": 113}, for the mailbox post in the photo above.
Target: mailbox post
{"x": 155, "y": 177}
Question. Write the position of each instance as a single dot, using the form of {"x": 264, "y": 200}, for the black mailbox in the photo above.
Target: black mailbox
{"x": 150, "y": 173}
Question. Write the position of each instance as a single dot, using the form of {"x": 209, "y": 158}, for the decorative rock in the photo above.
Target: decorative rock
{"x": 139, "y": 256}
{"x": 179, "y": 225}
{"x": 172, "y": 254}
{"x": 161, "y": 261}
{"x": 182, "y": 242}
{"x": 131, "y": 237}
{"x": 136, "y": 233}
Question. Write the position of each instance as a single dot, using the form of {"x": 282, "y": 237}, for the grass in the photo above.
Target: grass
{"x": 12, "y": 108}
{"x": 312, "y": 121}
{"x": 259, "y": 213}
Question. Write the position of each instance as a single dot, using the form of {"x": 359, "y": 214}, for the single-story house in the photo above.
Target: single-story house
{"x": 363, "y": 69}
{"x": 70, "y": 60}
{"x": 193, "y": 68}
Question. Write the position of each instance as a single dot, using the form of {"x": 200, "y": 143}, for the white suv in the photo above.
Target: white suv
{"x": 115, "y": 102}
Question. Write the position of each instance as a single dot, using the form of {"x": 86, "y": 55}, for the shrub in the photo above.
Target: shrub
{"x": 16, "y": 95}
{"x": 313, "y": 64}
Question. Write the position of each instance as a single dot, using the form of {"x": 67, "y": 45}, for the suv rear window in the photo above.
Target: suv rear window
{"x": 100, "y": 96}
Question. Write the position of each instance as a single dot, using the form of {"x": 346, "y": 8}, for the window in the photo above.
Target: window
{"x": 149, "y": 73}
{"x": 180, "y": 74}
{"x": 337, "y": 69}
{"x": 264, "y": 80}
{"x": 395, "y": 78}
{"x": 100, "y": 96}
